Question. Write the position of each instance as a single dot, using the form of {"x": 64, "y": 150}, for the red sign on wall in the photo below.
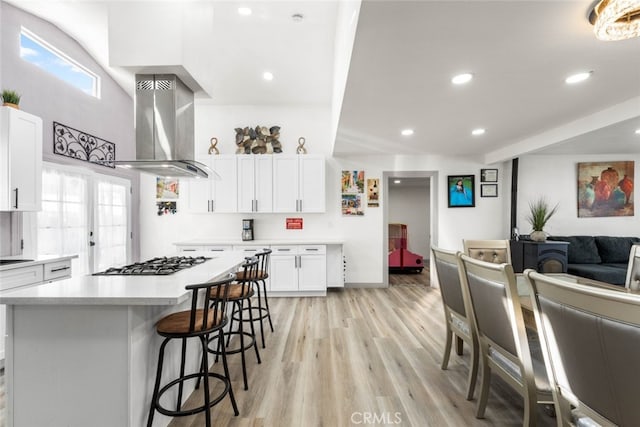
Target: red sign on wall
{"x": 294, "y": 223}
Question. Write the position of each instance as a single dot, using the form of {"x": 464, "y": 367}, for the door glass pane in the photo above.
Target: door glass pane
{"x": 111, "y": 237}
{"x": 62, "y": 223}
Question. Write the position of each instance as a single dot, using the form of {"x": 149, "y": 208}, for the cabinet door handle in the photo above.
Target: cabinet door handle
{"x": 256, "y": 206}
{"x": 213, "y": 206}
{"x": 300, "y": 205}
{"x": 53, "y": 270}
{"x": 188, "y": 250}
{"x": 16, "y": 205}
{"x": 283, "y": 250}
{"x": 311, "y": 249}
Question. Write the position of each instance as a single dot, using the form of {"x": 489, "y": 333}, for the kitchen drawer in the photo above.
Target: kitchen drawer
{"x": 57, "y": 270}
{"x": 248, "y": 250}
{"x": 190, "y": 248}
{"x": 217, "y": 248}
{"x": 284, "y": 250}
{"x": 312, "y": 249}
{"x": 15, "y": 277}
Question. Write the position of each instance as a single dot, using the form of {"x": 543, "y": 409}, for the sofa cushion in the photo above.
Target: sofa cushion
{"x": 614, "y": 249}
{"x": 582, "y": 249}
{"x": 600, "y": 272}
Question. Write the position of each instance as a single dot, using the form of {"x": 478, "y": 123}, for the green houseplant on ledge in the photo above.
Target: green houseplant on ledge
{"x": 539, "y": 214}
{"x": 10, "y": 98}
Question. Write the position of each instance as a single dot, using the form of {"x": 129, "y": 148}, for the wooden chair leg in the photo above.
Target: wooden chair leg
{"x": 447, "y": 347}
{"x": 473, "y": 370}
{"x": 459, "y": 344}
{"x": 486, "y": 381}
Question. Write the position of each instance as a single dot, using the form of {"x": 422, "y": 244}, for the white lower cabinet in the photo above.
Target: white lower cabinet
{"x": 26, "y": 276}
{"x": 298, "y": 268}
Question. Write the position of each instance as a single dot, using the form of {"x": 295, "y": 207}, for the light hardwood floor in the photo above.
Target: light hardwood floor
{"x": 359, "y": 357}
{"x": 410, "y": 278}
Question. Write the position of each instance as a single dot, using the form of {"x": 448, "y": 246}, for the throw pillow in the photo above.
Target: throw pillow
{"x": 582, "y": 249}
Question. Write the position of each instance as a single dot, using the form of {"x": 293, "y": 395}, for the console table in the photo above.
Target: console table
{"x": 544, "y": 257}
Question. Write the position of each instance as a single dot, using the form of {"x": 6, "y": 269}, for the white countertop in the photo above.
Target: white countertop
{"x": 39, "y": 260}
{"x": 261, "y": 242}
{"x": 123, "y": 290}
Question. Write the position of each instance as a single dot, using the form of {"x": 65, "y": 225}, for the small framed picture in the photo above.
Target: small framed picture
{"x": 489, "y": 190}
{"x": 461, "y": 191}
{"x": 488, "y": 175}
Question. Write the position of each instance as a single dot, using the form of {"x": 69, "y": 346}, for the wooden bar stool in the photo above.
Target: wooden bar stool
{"x": 262, "y": 312}
{"x": 239, "y": 293}
{"x": 195, "y": 323}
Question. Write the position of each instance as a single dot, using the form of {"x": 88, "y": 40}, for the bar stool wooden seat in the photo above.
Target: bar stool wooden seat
{"x": 261, "y": 312}
{"x": 239, "y": 293}
{"x": 195, "y": 323}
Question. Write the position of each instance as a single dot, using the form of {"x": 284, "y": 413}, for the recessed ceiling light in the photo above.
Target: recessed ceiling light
{"x": 297, "y": 17}
{"x": 267, "y": 75}
{"x": 461, "y": 79}
{"x": 579, "y": 77}
{"x": 396, "y": 181}
{"x": 407, "y": 132}
{"x": 244, "y": 11}
{"x": 478, "y": 131}
{"x": 637, "y": 131}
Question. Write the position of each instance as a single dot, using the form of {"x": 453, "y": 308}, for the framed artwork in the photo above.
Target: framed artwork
{"x": 488, "y": 175}
{"x": 373, "y": 199}
{"x": 605, "y": 189}
{"x": 489, "y": 190}
{"x": 352, "y": 205}
{"x": 352, "y": 182}
{"x": 167, "y": 188}
{"x": 461, "y": 191}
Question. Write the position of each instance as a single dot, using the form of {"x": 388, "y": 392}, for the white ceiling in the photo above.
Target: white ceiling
{"x": 404, "y": 55}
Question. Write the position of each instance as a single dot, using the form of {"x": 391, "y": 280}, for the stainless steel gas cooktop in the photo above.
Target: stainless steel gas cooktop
{"x": 155, "y": 266}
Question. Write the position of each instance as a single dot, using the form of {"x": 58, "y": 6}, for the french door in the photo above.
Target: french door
{"x": 83, "y": 213}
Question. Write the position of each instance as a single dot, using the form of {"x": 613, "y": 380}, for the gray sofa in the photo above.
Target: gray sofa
{"x": 603, "y": 258}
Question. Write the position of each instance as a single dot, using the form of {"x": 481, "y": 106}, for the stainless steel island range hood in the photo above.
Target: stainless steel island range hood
{"x": 164, "y": 128}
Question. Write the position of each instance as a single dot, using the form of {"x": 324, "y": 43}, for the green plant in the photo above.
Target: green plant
{"x": 539, "y": 213}
{"x": 11, "y": 96}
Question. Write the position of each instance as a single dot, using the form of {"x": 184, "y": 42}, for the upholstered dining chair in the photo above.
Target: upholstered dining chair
{"x": 633, "y": 270}
{"x": 496, "y": 315}
{"x": 589, "y": 336}
{"x": 496, "y": 251}
{"x": 455, "y": 313}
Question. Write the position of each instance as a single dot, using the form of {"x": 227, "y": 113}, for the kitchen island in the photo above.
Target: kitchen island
{"x": 83, "y": 351}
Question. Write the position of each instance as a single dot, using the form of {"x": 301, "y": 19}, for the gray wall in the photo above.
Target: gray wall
{"x": 410, "y": 206}
{"x": 110, "y": 117}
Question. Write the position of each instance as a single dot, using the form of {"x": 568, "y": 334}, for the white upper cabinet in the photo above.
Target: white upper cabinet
{"x": 298, "y": 183}
{"x": 255, "y": 183}
{"x": 20, "y": 160}
{"x": 214, "y": 194}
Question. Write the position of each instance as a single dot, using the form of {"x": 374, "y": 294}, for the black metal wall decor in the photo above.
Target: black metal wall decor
{"x": 76, "y": 144}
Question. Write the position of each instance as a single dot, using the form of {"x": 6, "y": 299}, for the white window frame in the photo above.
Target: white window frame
{"x": 63, "y": 57}
{"x": 30, "y": 219}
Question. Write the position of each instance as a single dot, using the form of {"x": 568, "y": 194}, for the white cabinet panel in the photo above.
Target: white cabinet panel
{"x": 214, "y": 194}
{"x": 298, "y": 268}
{"x": 298, "y": 184}
{"x": 255, "y": 183}
{"x": 20, "y": 160}
{"x": 57, "y": 270}
{"x": 311, "y": 184}
{"x": 283, "y": 273}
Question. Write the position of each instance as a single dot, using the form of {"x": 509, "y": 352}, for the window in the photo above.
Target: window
{"x": 83, "y": 213}
{"x": 40, "y": 53}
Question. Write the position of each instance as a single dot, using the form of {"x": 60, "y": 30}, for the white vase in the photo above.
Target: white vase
{"x": 538, "y": 236}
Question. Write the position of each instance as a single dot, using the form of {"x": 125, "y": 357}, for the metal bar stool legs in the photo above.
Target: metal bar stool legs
{"x": 195, "y": 323}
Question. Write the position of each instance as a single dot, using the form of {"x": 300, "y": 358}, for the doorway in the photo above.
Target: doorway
{"x": 410, "y": 205}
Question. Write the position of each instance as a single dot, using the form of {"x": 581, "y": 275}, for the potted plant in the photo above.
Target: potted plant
{"x": 10, "y": 98}
{"x": 539, "y": 213}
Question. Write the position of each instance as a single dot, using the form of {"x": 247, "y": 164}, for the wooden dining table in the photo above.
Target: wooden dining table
{"x": 525, "y": 299}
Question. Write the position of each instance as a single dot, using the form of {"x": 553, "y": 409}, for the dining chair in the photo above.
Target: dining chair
{"x": 455, "y": 313}
{"x": 496, "y": 251}
{"x": 590, "y": 338}
{"x": 496, "y": 315}
{"x": 633, "y": 270}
